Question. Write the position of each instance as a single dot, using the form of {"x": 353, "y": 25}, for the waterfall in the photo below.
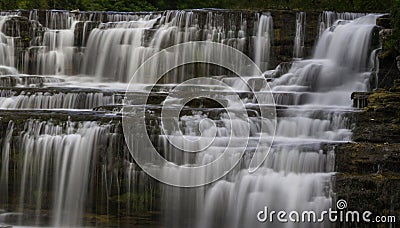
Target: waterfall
{"x": 297, "y": 174}
{"x": 56, "y": 52}
{"x": 300, "y": 34}
{"x": 56, "y": 158}
{"x": 64, "y": 159}
{"x": 328, "y": 18}
{"x": 130, "y": 43}
{"x": 46, "y": 100}
{"x": 262, "y": 42}
{"x": 4, "y": 174}
{"x": 70, "y": 41}
{"x": 340, "y": 64}
{"x": 6, "y": 48}
{"x": 122, "y": 49}
{"x": 59, "y": 52}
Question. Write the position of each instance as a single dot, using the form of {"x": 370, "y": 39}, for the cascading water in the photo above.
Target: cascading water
{"x": 334, "y": 71}
{"x": 300, "y": 33}
{"x": 59, "y": 52}
{"x": 127, "y": 48}
{"x": 6, "y": 49}
{"x": 122, "y": 49}
{"x": 56, "y": 52}
{"x": 68, "y": 155}
{"x": 328, "y": 18}
{"x": 129, "y": 39}
{"x": 61, "y": 172}
{"x": 297, "y": 174}
{"x": 262, "y": 42}
{"x": 46, "y": 100}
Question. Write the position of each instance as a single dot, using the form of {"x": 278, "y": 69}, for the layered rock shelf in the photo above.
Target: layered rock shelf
{"x": 368, "y": 169}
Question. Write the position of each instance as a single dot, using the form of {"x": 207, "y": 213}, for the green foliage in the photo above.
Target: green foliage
{"x": 395, "y": 14}
{"x": 116, "y": 5}
{"x": 32, "y": 4}
{"x": 393, "y": 44}
{"x": 185, "y": 4}
{"x": 149, "y": 5}
{"x": 372, "y": 5}
{"x": 58, "y": 4}
{"x": 94, "y": 5}
{"x": 338, "y": 5}
{"x": 8, "y": 4}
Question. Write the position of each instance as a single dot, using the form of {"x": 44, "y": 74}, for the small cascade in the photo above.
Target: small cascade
{"x": 60, "y": 49}
{"x": 5, "y": 163}
{"x": 298, "y": 48}
{"x": 171, "y": 28}
{"x": 53, "y": 156}
{"x": 27, "y": 80}
{"x": 10, "y": 13}
{"x": 262, "y": 41}
{"x": 59, "y": 19}
{"x": 68, "y": 170}
{"x": 123, "y": 42}
{"x": 10, "y": 99}
{"x": 334, "y": 72}
{"x": 67, "y": 154}
{"x": 7, "y": 44}
{"x": 328, "y": 18}
{"x": 56, "y": 53}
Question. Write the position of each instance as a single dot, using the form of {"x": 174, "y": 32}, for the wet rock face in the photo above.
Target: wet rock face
{"x": 375, "y": 193}
{"x": 389, "y": 65}
{"x": 16, "y": 26}
{"x": 360, "y": 99}
{"x": 385, "y": 33}
{"x": 369, "y": 170}
{"x": 369, "y": 177}
{"x": 285, "y": 32}
{"x": 384, "y": 22}
{"x": 380, "y": 122}
{"x": 82, "y": 32}
{"x": 26, "y": 30}
{"x": 368, "y": 158}
{"x": 388, "y": 70}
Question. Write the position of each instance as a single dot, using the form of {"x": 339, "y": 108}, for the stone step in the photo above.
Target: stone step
{"x": 360, "y": 99}
{"x": 9, "y": 81}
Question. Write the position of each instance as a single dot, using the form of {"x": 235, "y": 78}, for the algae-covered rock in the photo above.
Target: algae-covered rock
{"x": 376, "y": 193}
{"x": 368, "y": 158}
{"x": 368, "y": 171}
{"x": 384, "y": 21}
{"x": 380, "y": 120}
